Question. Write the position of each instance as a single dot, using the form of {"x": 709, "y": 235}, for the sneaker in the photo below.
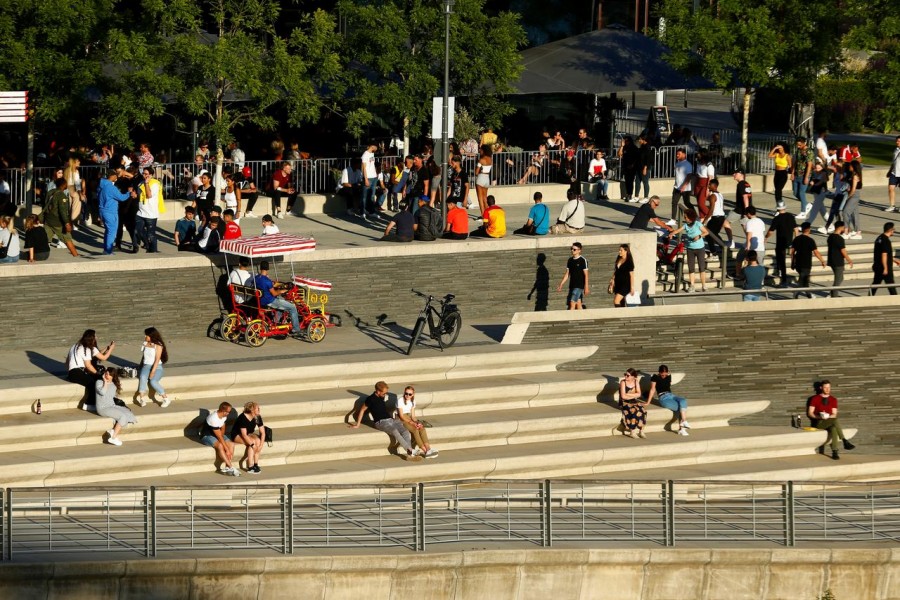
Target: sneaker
{"x": 141, "y": 400}
{"x": 165, "y": 402}
{"x": 683, "y": 432}
{"x": 685, "y": 424}
{"x": 835, "y": 455}
{"x": 690, "y": 289}
{"x": 633, "y": 200}
{"x": 224, "y": 469}
{"x": 801, "y": 216}
{"x": 114, "y": 441}
{"x": 471, "y": 205}
{"x": 890, "y": 209}
{"x": 732, "y": 245}
{"x": 703, "y": 288}
{"x": 111, "y": 433}
{"x": 831, "y": 229}
{"x": 848, "y": 445}
{"x": 60, "y": 245}
{"x": 641, "y": 434}
{"x": 856, "y": 235}
{"x": 279, "y": 215}
{"x": 251, "y": 470}
{"x": 413, "y": 456}
{"x": 234, "y": 472}
{"x": 255, "y": 469}
{"x": 628, "y": 433}
{"x": 417, "y": 452}
{"x": 434, "y": 453}
{"x": 249, "y": 215}
{"x": 822, "y": 230}
{"x": 645, "y": 200}
{"x": 846, "y": 236}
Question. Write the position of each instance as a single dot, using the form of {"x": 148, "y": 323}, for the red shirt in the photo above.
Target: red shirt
{"x": 848, "y": 155}
{"x": 818, "y": 403}
{"x": 232, "y": 230}
{"x": 458, "y": 219}
{"x": 280, "y": 180}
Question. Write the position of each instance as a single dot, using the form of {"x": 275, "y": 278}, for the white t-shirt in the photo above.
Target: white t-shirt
{"x": 405, "y": 407}
{"x": 575, "y": 208}
{"x": 205, "y": 239}
{"x": 79, "y": 355}
{"x": 10, "y": 238}
{"x": 597, "y": 167}
{"x": 148, "y": 207}
{"x": 682, "y": 169}
{"x": 4, "y": 188}
{"x": 707, "y": 171}
{"x": 271, "y": 229}
{"x": 240, "y": 277}
{"x": 756, "y": 228}
{"x": 350, "y": 176}
{"x": 821, "y": 150}
{"x": 238, "y": 157}
{"x": 368, "y": 165}
{"x": 719, "y": 208}
{"x": 215, "y": 421}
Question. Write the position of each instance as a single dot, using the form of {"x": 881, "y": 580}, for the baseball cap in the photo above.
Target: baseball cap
{"x": 738, "y": 171}
{"x": 202, "y": 171}
{"x": 246, "y": 171}
{"x": 424, "y": 198}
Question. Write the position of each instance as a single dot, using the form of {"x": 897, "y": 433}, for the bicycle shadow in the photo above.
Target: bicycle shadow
{"x": 387, "y": 333}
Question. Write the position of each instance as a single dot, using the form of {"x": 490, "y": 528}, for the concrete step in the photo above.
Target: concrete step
{"x": 248, "y": 377}
{"x": 148, "y": 454}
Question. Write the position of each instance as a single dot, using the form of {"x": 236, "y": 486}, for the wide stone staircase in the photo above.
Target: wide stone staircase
{"x": 496, "y": 411}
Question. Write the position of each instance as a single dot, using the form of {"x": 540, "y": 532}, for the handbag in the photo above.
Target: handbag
{"x": 270, "y": 436}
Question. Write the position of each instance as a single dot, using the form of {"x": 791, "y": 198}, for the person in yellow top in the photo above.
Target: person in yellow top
{"x": 782, "y": 168}
{"x": 494, "y": 219}
{"x": 489, "y": 138}
{"x": 151, "y": 205}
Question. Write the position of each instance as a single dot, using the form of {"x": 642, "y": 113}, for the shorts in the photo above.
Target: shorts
{"x": 894, "y": 180}
{"x": 59, "y": 233}
{"x": 210, "y": 440}
{"x": 714, "y": 225}
{"x": 576, "y": 294}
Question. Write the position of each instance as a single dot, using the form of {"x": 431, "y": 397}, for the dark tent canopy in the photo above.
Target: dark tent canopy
{"x": 601, "y": 62}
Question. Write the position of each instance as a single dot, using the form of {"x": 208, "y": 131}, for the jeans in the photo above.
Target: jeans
{"x": 369, "y": 194}
{"x": 154, "y": 382}
{"x": 803, "y": 281}
{"x": 396, "y": 430}
{"x": 851, "y": 213}
{"x": 145, "y": 230}
{"x": 800, "y": 192}
{"x": 10, "y": 258}
{"x": 290, "y": 307}
{"x": 670, "y": 401}
{"x": 838, "y": 280}
{"x": 752, "y": 298}
{"x": 818, "y": 208}
{"x": 642, "y": 180}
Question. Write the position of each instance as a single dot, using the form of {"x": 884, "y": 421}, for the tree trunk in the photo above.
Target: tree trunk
{"x": 406, "y": 149}
{"x": 745, "y": 126}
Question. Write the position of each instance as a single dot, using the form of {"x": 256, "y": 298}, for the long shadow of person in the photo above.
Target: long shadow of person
{"x": 541, "y": 288}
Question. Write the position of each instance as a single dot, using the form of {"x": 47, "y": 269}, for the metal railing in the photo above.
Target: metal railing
{"x": 150, "y": 521}
{"x": 766, "y": 291}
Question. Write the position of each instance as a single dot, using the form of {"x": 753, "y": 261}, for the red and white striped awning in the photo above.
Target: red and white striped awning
{"x": 313, "y": 284}
{"x": 279, "y": 244}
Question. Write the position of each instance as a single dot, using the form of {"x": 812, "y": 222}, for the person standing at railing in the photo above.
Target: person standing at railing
{"x": 628, "y": 161}
{"x": 483, "y": 176}
{"x": 236, "y": 156}
{"x": 782, "y": 168}
{"x": 76, "y": 191}
{"x": 706, "y": 172}
{"x": 642, "y": 177}
{"x": 370, "y": 173}
{"x": 681, "y": 191}
{"x": 801, "y": 172}
{"x": 282, "y": 185}
{"x": 884, "y": 261}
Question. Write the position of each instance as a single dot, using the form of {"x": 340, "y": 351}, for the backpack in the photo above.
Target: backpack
{"x": 435, "y": 227}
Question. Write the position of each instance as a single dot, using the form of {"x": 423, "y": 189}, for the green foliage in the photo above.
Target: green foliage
{"x": 465, "y": 126}
{"x": 398, "y": 49}
{"x": 884, "y": 79}
{"x": 842, "y": 104}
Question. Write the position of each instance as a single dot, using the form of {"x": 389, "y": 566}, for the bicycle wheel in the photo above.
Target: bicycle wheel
{"x": 417, "y": 331}
{"x": 315, "y": 331}
{"x": 256, "y": 334}
{"x": 231, "y": 328}
{"x": 449, "y": 328}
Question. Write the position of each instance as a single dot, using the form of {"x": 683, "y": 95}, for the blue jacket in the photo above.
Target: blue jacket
{"x": 109, "y": 195}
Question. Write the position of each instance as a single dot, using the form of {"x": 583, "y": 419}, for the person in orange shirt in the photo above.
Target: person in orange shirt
{"x": 232, "y": 229}
{"x": 457, "y": 227}
{"x": 494, "y": 219}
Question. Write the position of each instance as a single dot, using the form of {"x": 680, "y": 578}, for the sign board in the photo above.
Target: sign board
{"x": 13, "y": 107}
{"x": 437, "y": 117}
{"x": 661, "y": 113}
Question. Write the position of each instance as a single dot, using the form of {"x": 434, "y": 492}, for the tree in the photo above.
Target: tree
{"x": 398, "y": 49}
{"x": 738, "y": 44}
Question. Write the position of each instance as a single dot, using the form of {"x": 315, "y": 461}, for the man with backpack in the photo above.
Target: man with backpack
{"x": 428, "y": 221}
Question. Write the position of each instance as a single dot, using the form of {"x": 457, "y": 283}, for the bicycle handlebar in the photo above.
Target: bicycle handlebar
{"x": 447, "y": 298}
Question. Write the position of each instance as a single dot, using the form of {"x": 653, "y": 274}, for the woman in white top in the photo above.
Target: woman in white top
{"x": 153, "y": 356}
{"x": 705, "y": 172}
{"x": 483, "y": 176}
{"x": 82, "y": 361}
{"x": 406, "y": 411}
{"x": 9, "y": 241}
{"x": 107, "y": 387}
{"x": 229, "y": 194}
{"x": 597, "y": 174}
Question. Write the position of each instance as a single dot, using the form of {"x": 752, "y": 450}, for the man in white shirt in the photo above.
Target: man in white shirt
{"x": 212, "y": 434}
{"x": 681, "y": 192}
{"x": 351, "y": 187}
{"x": 894, "y": 176}
{"x": 756, "y": 236}
{"x": 371, "y": 177}
{"x": 822, "y": 147}
{"x": 241, "y": 276}
{"x": 571, "y": 215}
{"x": 151, "y": 196}
{"x": 237, "y": 155}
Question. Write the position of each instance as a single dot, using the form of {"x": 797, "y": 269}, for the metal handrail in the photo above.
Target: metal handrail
{"x": 766, "y": 290}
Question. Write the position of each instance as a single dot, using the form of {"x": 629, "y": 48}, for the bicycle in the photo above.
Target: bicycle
{"x": 443, "y": 325}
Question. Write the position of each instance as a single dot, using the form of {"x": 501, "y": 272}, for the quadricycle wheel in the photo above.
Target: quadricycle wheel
{"x": 256, "y": 334}
{"x": 231, "y": 328}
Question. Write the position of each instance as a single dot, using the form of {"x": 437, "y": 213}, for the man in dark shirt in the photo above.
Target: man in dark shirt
{"x": 784, "y": 226}
{"x": 425, "y": 220}
{"x": 837, "y": 255}
{"x": 404, "y": 222}
{"x": 743, "y": 196}
{"x": 458, "y": 186}
{"x": 647, "y": 213}
{"x": 883, "y": 261}
{"x": 802, "y": 250}
{"x": 377, "y": 407}
{"x": 419, "y": 180}
{"x": 577, "y": 275}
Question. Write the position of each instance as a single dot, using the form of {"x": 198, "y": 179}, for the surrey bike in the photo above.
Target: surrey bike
{"x": 443, "y": 324}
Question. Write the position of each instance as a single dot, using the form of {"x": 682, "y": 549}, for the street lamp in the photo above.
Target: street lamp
{"x": 445, "y": 118}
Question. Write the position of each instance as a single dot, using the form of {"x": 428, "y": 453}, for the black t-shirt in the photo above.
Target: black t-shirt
{"x": 743, "y": 188}
{"x": 645, "y": 156}
{"x": 630, "y": 157}
{"x": 643, "y": 216}
{"x": 663, "y": 384}
{"x": 783, "y": 225}
{"x": 377, "y": 408}
{"x": 243, "y": 422}
{"x": 403, "y": 222}
{"x": 36, "y": 238}
{"x": 836, "y": 243}
{"x": 803, "y": 246}
{"x": 458, "y": 183}
{"x": 205, "y": 197}
{"x": 417, "y": 179}
{"x": 576, "y": 267}
{"x": 883, "y": 245}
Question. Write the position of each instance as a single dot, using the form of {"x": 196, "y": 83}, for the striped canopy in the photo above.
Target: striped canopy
{"x": 313, "y": 284}
{"x": 279, "y": 244}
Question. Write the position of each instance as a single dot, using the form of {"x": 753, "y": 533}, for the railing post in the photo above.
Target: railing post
{"x": 152, "y": 516}
{"x": 546, "y": 517}
{"x": 288, "y": 520}
{"x": 789, "y": 532}
{"x": 669, "y": 512}
{"x": 6, "y": 542}
{"x": 419, "y": 509}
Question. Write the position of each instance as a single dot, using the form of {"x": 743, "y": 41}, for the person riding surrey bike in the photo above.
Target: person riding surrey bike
{"x": 270, "y": 292}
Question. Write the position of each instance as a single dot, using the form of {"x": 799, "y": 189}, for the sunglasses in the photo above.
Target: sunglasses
{"x": 408, "y": 394}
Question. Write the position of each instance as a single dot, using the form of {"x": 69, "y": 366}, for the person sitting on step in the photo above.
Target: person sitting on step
{"x": 822, "y": 410}
{"x": 376, "y": 405}
{"x": 634, "y": 412}
{"x": 661, "y": 384}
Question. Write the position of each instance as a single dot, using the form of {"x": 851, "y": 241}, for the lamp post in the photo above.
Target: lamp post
{"x": 445, "y": 117}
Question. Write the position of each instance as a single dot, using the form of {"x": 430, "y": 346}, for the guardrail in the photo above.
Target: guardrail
{"x": 152, "y": 521}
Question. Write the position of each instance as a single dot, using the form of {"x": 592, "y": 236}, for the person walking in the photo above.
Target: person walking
{"x": 883, "y": 261}
{"x": 801, "y": 172}
{"x": 837, "y": 256}
{"x": 803, "y": 248}
{"x": 577, "y": 276}
{"x": 784, "y": 228}
{"x": 153, "y": 356}
{"x": 782, "y": 168}
{"x": 893, "y": 176}
{"x": 684, "y": 173}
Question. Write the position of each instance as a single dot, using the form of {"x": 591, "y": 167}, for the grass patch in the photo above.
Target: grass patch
{"x": 873, "y": 152}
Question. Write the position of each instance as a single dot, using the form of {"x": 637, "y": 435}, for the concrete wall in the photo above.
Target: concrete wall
{"x": 585, "y": 574}
{"x": 492, "y": 280}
